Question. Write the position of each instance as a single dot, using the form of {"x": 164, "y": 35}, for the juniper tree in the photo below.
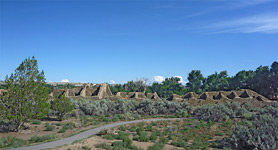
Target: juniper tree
{"x": 62, "y": 105}
{"x": 27, "y": 94}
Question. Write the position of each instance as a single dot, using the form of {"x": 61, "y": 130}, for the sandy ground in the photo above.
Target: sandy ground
{"x": 39, "y": 130}
{"x": 91, "y": 142}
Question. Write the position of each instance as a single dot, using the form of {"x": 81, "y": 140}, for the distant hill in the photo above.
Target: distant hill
{"x": 64, "y": 83}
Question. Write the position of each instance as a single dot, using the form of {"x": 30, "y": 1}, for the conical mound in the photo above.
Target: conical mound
{"x": 259, "y": 98}
{"x": 131, "y": 94}
{"x": 220, "y": 95}
{"x": 245, "y": 94}
{"x": 190, "y": 95}
{"x": 232, "y": 95}
{"x": 204, "y": 96}
{"x": 153, "y": 96}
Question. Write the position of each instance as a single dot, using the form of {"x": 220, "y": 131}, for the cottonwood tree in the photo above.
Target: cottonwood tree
{"x": 195, "y": 80}
{"x": 27, "y": 94}
{"x": 274, "y": 78}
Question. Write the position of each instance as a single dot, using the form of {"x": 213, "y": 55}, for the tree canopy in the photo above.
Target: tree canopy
{"x": 27, "y": 96}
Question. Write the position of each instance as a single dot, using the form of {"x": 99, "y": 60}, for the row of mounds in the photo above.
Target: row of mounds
{"x": 243, "y": 96}
{"x": 101, "y": 91}
{"x": 138, "y": 96}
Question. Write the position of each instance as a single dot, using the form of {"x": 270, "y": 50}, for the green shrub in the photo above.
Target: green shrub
{"x": 122, "y": 128}
{"x": 171, "y": 137}
{"x": 103, "y": 146}
{"x": 132, "y": 129}
{"x": 219, "y": 112}
{"x": 59, "y": 124}
{"x": 115, "y": 118}
{"x": 199, "y": 143}
{"x": 143, "y": 137}
{"x": 263, "y": 136}
{"x": 86, "y": 147}
{"x": 153, "y": 137}
{"x": 121, "y": 135}
{"x": 11, "y": 141}
{"x": 249, "y": 116}
{"x": 109, "y": 137}
{"x": 156, "y": 146}
{"x": 66, "y": 127}
{"x": 103, "y": 132}
{"x": 127, "y": 142}
{"x": 44, "y": 138}
{"x": 49, "y": 128}
{"x": 149, "y": 127}
{"x": 163, "y": 140}
{"x": 34, "y": 121}
{"x": 62, "y": 105}
{"x": 126, "y": 107}
{"x": 218, "y": 133}
{"x": 181, "y": 143}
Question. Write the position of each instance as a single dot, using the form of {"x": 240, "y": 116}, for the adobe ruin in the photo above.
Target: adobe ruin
{"x": 243, "y": 96}
{"x": 101, "y": 91}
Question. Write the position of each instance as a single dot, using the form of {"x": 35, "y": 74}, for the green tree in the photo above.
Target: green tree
{"x": 217, "y": 81}
{"x": 195, "y": 80}
{"x": 27, "y": 96}
{"x": 140, "y": 85}
{"x": 274, "y": 78}
{"x": 171, "y": 86}
{"x": 116, "y": 88}
{"x": 241, "y": 80}
{"x": 62, "y": 105}
{"x": 156, "y": 87}
{"x": 260, "y": 81}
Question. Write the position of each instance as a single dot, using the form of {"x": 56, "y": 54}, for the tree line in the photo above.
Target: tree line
{"x": 263, "y": 80}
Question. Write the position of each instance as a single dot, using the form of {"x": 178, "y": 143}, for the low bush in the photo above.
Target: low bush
{"x": 86, "y": 148}
{"x": 66, "y": 127}
{"x": 219, "y": 112}
{"x": 11, "y": 142}
{"x": 109, "y": 137}
{"x": 156, "y": 146}
{"x": 103, "y": 146}
{"x": 153, "y": 137}
{"x": 181, "y": 143}
{"x": 125, "y": 144}
{"x": 44, "y": 138}
{"x": 50, "y": 128}
{"x": 127, "y": 107}
{"x": 35, "y": 121}
{"x": 163, "y": 140}
{"x": 263, "y": 136}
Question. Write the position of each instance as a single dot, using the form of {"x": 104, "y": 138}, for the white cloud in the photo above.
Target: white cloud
{"x": 254, "y": 24}
{"x": 112, "y": 82}
{"x": 65, "y": 80}
{"x": 158, "y": 79}
{"x": 181, "y": 79}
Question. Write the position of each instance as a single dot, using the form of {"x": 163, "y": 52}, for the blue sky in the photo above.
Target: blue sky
{"x": 121, "y": 40}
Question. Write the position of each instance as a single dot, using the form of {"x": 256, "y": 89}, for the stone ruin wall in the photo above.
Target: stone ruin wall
{"x": 101, "y": 91}
{"x": 244, "y": 96}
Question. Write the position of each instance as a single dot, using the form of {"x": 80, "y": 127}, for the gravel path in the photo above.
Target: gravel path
{"x": 86, "y": 134}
